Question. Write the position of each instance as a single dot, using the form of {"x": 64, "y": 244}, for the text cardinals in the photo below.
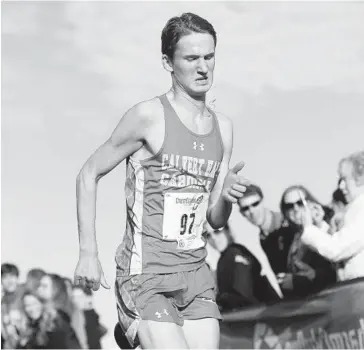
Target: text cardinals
{"x": 182, "y": 171}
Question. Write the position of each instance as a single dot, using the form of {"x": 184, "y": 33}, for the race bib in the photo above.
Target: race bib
{"x": 184, "y": 217}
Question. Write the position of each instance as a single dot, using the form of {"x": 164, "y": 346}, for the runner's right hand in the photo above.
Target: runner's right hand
{"x": 89, "y": 272}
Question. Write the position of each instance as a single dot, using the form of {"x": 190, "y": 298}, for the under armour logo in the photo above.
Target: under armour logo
{"x": 201, "y": 146}
{"x": 159, "y": 315}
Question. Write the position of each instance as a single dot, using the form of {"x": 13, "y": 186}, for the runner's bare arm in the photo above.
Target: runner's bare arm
{"x": 127, "y": 138}
{"x": 219, "y": 208}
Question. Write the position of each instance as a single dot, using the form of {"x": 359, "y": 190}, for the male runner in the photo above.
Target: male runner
{"x": 177, "y": 155}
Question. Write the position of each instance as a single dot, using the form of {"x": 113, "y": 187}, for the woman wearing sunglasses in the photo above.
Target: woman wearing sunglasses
{"x": 306, "y": 272}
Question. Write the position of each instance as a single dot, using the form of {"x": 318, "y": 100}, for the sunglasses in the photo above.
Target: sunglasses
{"x": 291, "y": 205}
{"x": 253, "y": 205}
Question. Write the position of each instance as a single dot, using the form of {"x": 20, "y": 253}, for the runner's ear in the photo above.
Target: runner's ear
{"x": 167, "y": 63}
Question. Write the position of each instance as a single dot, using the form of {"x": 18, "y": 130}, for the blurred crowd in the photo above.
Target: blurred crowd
{"x": 47, "y": 312}
{"x": 309, "y": 245}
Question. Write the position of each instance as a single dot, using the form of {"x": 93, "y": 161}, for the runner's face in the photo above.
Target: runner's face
{"x": 193, "y": 63}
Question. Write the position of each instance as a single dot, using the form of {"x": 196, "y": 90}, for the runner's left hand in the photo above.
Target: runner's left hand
{"x": 234, "y": 184}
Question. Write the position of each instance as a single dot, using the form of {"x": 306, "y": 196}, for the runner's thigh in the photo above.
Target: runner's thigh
{"x": 161, "y": 335}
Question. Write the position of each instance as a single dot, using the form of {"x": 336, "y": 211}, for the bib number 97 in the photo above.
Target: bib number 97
{"x": 187, "y": 223}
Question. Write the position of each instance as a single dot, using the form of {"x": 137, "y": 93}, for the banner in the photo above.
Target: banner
{"x": 331, "y": 319}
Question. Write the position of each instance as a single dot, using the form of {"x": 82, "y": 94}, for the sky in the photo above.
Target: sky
{"x": 290, "y": 75}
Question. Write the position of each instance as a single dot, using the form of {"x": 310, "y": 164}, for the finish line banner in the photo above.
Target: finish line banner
{"x": 332, "y": 319}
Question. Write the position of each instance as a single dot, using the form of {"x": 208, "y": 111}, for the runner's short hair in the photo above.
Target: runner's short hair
{"x": 183, "y": 25}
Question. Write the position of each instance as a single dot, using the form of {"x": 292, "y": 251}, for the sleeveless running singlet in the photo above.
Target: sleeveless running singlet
{"x": 167, "y": 199}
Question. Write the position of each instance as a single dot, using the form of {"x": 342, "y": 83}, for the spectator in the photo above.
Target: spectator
{"x": 11, "y": 324}
{"x": 33, "y": 279}
{"x": 53, "y": 289}
{"x": 9, "y": 278}
{"x": 10, "y": 286}
{"x": 239, "y": 279}
{"x": 44, "y": 328}
{"x": 307, "y": 272}
{"x": 83, "y": 298}
{"x": 274, "y": 239}
{"x": 338, "y": 204}
{"x": 56, "y": 293}
{"x": 251, "y": 206}
{"x": 345, "y": 246}
{"x": 69, "y": 286}
{"x": 10, "y": 304}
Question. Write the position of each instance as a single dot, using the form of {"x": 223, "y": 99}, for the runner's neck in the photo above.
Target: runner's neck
{"x": 190, "y": 104}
